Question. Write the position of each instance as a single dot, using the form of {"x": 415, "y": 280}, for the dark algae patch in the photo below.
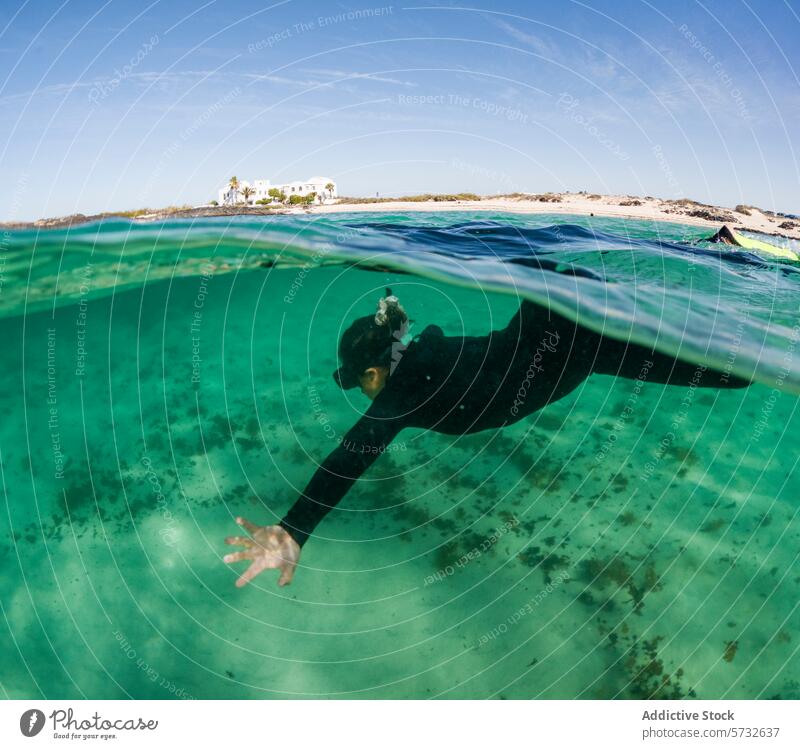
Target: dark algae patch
{"x": 648, "y": 678}
{"x": 548, "y": 561}
{"x": 617, "y": 573}
{"x": 659, "y": 576}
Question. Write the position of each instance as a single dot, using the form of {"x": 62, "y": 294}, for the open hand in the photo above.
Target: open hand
{"x": 270, "y": 547}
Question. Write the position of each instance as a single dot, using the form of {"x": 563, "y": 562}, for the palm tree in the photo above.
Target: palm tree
{"x": 233, "y": 185}
{"x": 247, "y": 192}
{"x": 330, "y": 187}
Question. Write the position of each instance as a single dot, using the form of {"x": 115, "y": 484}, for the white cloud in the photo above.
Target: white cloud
{"x": 540, "y": 46}
{"x": 359, "y": 76}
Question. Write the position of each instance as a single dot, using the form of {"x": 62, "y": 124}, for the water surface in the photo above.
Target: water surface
{"x": 160, "y": 379}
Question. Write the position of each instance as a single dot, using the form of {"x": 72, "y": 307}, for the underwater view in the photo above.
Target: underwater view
{"x": 159, "y": 380}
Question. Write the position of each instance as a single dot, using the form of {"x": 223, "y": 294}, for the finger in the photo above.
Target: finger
{"x": 247, "y": 525}
{"x": 287, "y": 573}
{"x": 249, "y": 574}
{"x": 239, "y": 541}
{"x": 238, "y": 556}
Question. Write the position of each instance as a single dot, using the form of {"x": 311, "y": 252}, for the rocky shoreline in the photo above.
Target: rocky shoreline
{"x": 748, "y": 218}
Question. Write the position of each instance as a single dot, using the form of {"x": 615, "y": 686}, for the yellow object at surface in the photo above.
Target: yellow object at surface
{"x": 748, "y": 243}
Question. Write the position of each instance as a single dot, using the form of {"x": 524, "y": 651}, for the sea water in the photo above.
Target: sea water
{"x": 158, "y": 380}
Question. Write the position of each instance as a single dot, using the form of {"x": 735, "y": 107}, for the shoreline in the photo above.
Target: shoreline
{"x": 688, "y": 212}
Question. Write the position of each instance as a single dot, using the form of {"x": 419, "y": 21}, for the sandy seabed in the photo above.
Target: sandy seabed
{"x": 621, "y": 543}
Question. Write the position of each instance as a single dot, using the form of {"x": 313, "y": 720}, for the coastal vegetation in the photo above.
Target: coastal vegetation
{"x": 747, "y": 217}
{"x": 545, "y": 197}
{"x": 422, "y": 198}
{"x": 139, "y": 212}
{"x": 277, "y": 198}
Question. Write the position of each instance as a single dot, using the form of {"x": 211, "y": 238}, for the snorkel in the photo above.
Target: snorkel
{"x": 372, "y": 342}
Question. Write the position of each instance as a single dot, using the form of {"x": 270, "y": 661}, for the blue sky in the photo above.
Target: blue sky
{"x": 115, "y": 105}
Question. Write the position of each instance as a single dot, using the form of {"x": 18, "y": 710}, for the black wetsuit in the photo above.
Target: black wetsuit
{"x": 459, "y": 385}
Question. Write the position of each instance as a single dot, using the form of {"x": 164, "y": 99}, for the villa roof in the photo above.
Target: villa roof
{"x": 244, "y": 182}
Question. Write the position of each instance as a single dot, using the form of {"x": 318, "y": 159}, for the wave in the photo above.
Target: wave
{"x": 654, "y": 283}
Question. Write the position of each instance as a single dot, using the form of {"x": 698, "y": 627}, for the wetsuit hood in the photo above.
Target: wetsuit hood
{"x": 363, "y": 345}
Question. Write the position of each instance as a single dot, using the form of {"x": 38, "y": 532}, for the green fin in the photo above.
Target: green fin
{"x": 748, "y": 243}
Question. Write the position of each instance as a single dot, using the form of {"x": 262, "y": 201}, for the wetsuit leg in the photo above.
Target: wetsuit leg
{"x": 549, "y": 354}
{"x": 632, "y": 361}
{"x": 532, "y": 322}
{"x": 582, "y": 352}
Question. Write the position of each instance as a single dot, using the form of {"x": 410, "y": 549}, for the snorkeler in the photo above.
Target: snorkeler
{"x": 454, "y": 385}
{"x": 726, "y": 235}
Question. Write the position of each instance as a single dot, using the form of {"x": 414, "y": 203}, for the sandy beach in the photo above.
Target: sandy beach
{"x": 684, "y": 211}
{"x": 618, "y": 206}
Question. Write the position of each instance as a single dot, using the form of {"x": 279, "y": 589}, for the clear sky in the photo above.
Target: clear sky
{"x": 116, "y": 105}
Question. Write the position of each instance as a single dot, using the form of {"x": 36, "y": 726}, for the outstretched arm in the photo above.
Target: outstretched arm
{"x": 269, "y": 547}
{"x": 278, "y": 546}
{"x": 358, "y": 450}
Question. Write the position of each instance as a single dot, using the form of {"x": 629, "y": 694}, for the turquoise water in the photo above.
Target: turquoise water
{"x": 161, "y": 379}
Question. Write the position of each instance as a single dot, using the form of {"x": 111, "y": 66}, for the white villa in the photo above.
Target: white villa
{"x": 324, "y": 187}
